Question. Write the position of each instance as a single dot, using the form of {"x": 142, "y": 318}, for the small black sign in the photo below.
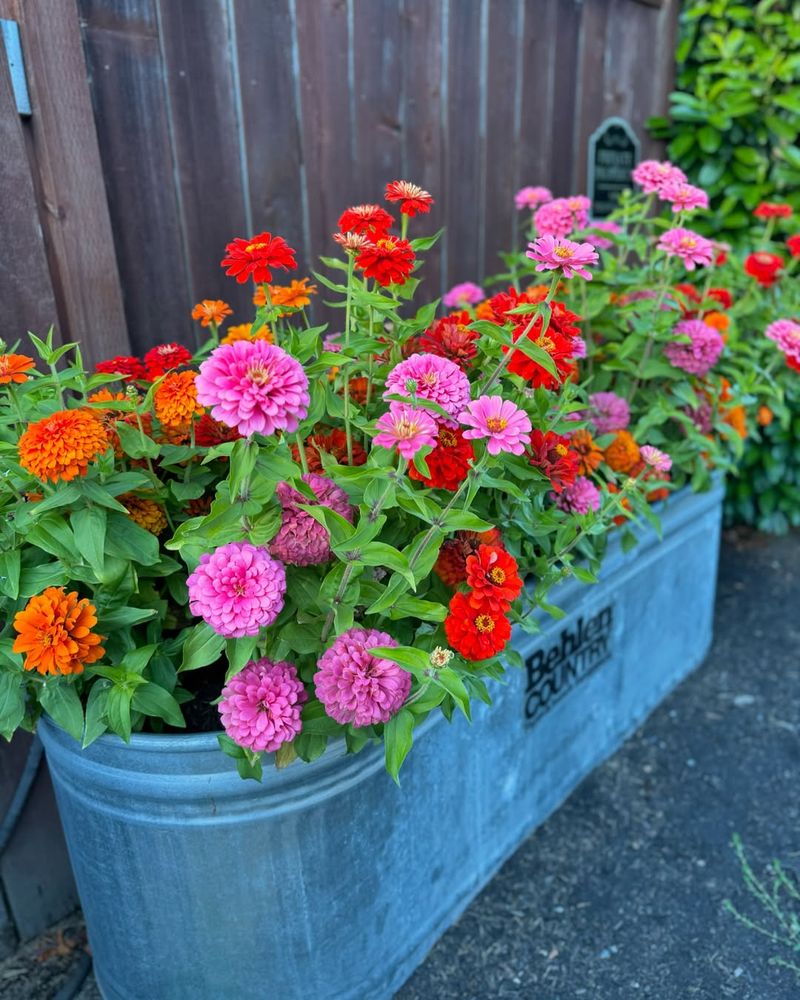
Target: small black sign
{"x": 553, "y": 672}
{"x": 614, "y": 150}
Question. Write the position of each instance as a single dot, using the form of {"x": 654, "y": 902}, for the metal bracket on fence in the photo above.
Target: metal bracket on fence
{"x": 16, "y": 66}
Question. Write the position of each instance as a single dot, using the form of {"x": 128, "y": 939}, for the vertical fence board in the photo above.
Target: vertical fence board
{"x": 590, "y": 108}
{"x": 566, "y": 94}
{"x": 130, "y": 102}
{"x": 539, "y": 101}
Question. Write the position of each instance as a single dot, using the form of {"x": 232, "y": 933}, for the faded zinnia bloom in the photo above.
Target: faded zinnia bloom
{"x": 238, "y": 589}
{"x": 406, "y": 428}
{"x": 257, "y": 257}
{"x": 357, "y": 687}
{"x": 551, "y": 253}
{"x": 466, "y": 293}
{"x": 658, "y": 460}
{"x": 450, "y": 337}
{"x": 261, "y": 705}
{"x": 413, "y": 199}
{"x": 651, "y": 175}
{"x": 255, "y": 387}
{"x": 430, "y": 377}
{"x": 531, "y": 197}
{"x": 211, "y": 311}
{"x": 61, "y": 446}
{"x": 55, "y": 633}
{"x": 609, "y": 412}
{"x": 13, "y": 368}
{"x": 505, "y": 426}
{"x": 579, "y": 498}
{"x": 786, "y": 334}
{"x": 302, "y": 540}
{"x": 145, "y": 512}
{"x": 700, "y": 355}
{"x": 691, "y": 247}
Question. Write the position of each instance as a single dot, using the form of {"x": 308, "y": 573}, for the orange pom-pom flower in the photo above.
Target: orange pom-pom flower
{"x": 55, "y": 633}
{"x": 61, "y": 446}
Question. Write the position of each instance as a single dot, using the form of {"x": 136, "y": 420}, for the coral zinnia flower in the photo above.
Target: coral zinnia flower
{"x": 175, "y": 400}
{"x": 590, "y": 455}
{"x": 146, "y": 513}
{"x": 164, "y": 358}
{"x": 371, "y": 221}
{"x": 124, "y": 365}
{"x": 211, "y": 311}
{"x": 257, "y": 257}
{"x": 451, "y": 564}
{"x": 623, "y": 452}
{"x": 492, "y": 575}
{"x": 13, "y": 368}
{"x": 334, "y": 444}
{"x": 450, "y": 337}
{"x": 389, "y": 261}
{"x": 61, "y": 446}
{"x": 765, "y": 416}
{"x": 244, "y": 331}
{"x": 773, "y": 210}
{"x": 477, "y": 633}
{"x": 413, "y": 199}
{"x": 55, "y": 633}
{"x": 448, "y": 463}
{"x": 764, "y": 267}
{"x": 293, "y": 296}
{"x": 551, "y": 453}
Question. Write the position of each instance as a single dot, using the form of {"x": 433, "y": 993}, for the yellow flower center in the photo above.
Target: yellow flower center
{"x": 546, "y": 343}
{"x": 497, "y": 575}
{"x": 258, "y": 373}
{"x": 406, "y": 428}
{"x": 484, "y": 623}
{"x": 447, "y": 439}
{"x": 564, "y": 252}
{"x": 562, "y": 449}
{"x": 688, "y": 242}
{"x": 496, "y": 424}
{"x": 429, "y": 378}
{"x": 252, "y": 247}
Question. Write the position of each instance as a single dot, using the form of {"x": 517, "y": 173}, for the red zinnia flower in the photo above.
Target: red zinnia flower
{"x": 412, "y": 197}
{"x": 448, "y": 463}
{"x": 477, "y": 633}
{"x": 164, "y": 358}
{"x": 793, "y": 243}
{"x": 368, "y": 220}
{"x": 773, "y": 210}
{"x": 209, "y": 432}
{"x": 558, "y": 345}
{"x": 389, "y": 261}
{"x": 764, "y": 267}
{"x": 449, "y": 338}
{"x": 551, "y": 453}
{"x": 333, "y": 443}
{"x": 255, "y": 258}
{"x": 451, "y": 565}
{"x": 492, "y": 575}
{"x": 721, "y": 295}
{"x": 127, "y": 367}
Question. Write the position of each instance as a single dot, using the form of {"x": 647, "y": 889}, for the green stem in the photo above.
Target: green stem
{"x": 403, "y": 225}
{"x": 301, "y": 451}
{"x": 348, "y": 430}
{"x": 271, "y": 318}
{"x": 648, "y": 347}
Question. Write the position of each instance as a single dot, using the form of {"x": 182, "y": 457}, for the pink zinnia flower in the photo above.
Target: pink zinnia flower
{"x": 786, "y": 334}
{"x": 609, "y": 412}
{"x": 684, "y": 197}
{"x": 578, "y": 347}
{"x": 530, "y": 197}
{"x": 700, "y": 355}
{"x": 580, "y": 206}
{"x": 465, "y": 293}
{"x": 562, "y": 215}
{"x": 238, "y": 589}
{"x": 702, "y": 416}
{"x": 254, "y": 386}
{"x": 506, "y": 426}
{"x": 651, "y": 175}
{"x": 407, "y": 428}
{"x": 579, "y": 498}
{"x": 430, "y": 377}
{"x": 691, "y": 247}
{"x": 261, "y": 705}
{"x": 604, "y": 226}
{"x": 658, "y": 460}
{"x": 302, "y": 540}
{"x": 357, "y": 687}
{"x": 552, "y": 253}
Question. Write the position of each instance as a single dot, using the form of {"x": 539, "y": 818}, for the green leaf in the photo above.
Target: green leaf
{"x": 135, "y": 442}
{"x": 96, "y": 705}
{"x": 398, "y": 738}
{"x": 9, "y": 573}
{"x": 108, "y": 619}
{"x": 118, "y": 711}
{"x": 59, "y": 698}
{"x": 89, "y": 528}
{"x": 126, "y": 540}
{"x": 417, "y": 661}
{"x": 239, "y": 652}
{"x": 150, "y": 699}
{"x": 137, "y": 659}
{"x": 452, "y": 683}
{"x": 202, "y": 647}
{"x": 12, "y": 702}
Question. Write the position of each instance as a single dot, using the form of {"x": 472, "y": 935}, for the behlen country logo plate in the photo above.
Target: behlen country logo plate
{"x": 553, "y": 671}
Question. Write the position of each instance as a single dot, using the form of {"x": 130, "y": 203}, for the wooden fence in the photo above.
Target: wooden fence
{"x": 163, "y": 128}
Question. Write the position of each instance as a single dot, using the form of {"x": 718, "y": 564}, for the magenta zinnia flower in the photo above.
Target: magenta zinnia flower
{"x": 658, "y": 460}
{"x": 357, "y": 687}
{"x": 786, "y": 334}
{"x": 684, "y": 197}
{"x": 261, "y": 705}
{"x": 430, "y": 377}
{"x": 465, "y": 293}
{"x": 552, "y": 253}
{"x": 579, "y": 498}
{"x": 407, "y": 428}
{"x": 691, "y": 247}
{"x": 651, "y": 175}
{"x": 700, "y": 355}
{"x": 238, "y": 589}
{"x": 302, "y": 540}
{"x": 254, "y": 386}
{"x": 609, "y": 412}
{"x": 604, "y": 226}
{"x": 530, "y": 197}
{"x": 506, "y": 426}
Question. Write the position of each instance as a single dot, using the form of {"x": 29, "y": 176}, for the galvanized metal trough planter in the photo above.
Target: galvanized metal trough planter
{"x": 327, "y": 880}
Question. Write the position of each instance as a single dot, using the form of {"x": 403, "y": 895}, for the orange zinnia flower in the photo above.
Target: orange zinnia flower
{"x": 293, "y": 296}
{"x": 55, "y": 633}
{"x": 718, "y": 320}
{"x": 623, "y": 452}
{"x": 146, "y": 513}
{"x": 211, "y": 311}
{"x": 765, "y": 416}
{"x": 13, "y": 368}
{"x": 61, "y": 446}
{"x": 244, "y": 331}
{"x": 175, "y": 400}
{"x": 590, "y": 455}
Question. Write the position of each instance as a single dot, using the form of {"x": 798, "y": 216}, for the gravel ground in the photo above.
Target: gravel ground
{"x": 619, "y": 895}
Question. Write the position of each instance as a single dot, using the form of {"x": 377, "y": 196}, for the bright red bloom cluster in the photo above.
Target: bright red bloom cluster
{"x": 165, "y": 358}
{"x": 773, "y": 210}
{"x": 257, "y": 257}
{"x": 449, "y": 337}
{"x": 552, "y": 453}
{"x": 413, "y": 199}
{"x": 448, "y": 463}
{"x": 793, "y": 243}
{"x": 477, "y": 626}
{"x": 557, "y": 341}
{"x": 124, "y": 365}
{"x": 451, "y": 564}
{"x": 764, "y": 267}
{"x": 371, "y": 221}
{"x": 389, "y": 261}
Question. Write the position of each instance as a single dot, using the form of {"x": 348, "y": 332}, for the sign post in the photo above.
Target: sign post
{"x": 614, "y": 150}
